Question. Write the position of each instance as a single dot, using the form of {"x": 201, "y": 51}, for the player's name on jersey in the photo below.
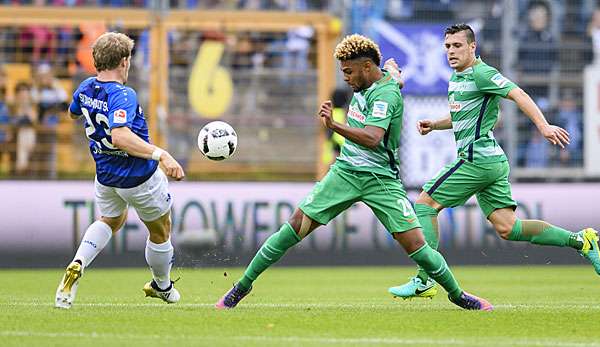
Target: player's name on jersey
{"x": 98, "y": 150}
{"x": 93, "y": 103}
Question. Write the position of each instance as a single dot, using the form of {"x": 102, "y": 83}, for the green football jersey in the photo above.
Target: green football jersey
{"x": 474, "y": 96}
{"x": 380, "y": 105}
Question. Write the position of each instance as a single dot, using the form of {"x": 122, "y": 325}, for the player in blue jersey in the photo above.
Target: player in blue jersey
{"x": 127, "y": 170}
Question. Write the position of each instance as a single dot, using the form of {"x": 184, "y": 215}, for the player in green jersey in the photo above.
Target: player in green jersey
{"x": 366, "y": 170}
{"x": 481, "y": 169}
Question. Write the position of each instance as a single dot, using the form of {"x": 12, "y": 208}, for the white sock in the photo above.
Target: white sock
{"x": 94, "y": 240}
{"x": 159, "y": 257}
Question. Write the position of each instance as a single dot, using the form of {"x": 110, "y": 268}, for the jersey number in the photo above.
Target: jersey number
{"x": 90, "y": 128}
{"x": 407, "y": 209}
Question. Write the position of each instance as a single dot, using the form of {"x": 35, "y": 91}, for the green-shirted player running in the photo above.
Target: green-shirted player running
{"x": 481, "y": 168}
{"x": 366, "y": 170}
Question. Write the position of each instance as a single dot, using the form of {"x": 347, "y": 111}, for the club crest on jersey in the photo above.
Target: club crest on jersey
{"x": 380, "y": 109}
{"x": 354, "y": 113}
{"x": 499, "y": 80}
{"x": 454, "y": 106}
{"x": 120, "y": 117}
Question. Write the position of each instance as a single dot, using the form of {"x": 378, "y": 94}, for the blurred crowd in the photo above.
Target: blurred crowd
{"x": 28, "y": 118}
{"x": 296, "y": 5}
{"x": 553, "y": 41}
{"x": 554, "y": 47}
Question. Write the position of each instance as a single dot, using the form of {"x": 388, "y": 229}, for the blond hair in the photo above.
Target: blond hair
{"x": 109, "y": 49}
{"x": 357, "y": 46}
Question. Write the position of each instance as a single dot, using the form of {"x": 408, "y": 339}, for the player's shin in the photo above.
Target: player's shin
{"x": 94, "y": 240}
{"x": 159, "y": 257}
{"x": 434, "y": 264}
{"x": 542, "y": 233}
{"x": 427, "y": 216}
{"x": 269, "y": 253}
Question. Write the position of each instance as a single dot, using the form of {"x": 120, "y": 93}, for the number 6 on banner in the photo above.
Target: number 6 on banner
{"x": 210, "y": 87}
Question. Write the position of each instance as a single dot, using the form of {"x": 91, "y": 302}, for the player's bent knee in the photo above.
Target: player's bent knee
{"x": 160, "y": 229}
{"x": 296, "y": 220}
{"x": 503, "y": 230}
{"x": 426, "y": 199}
{"x": 115, "y": 223}
{"x": 410, "y": 240}
{"x": 301, "y": 223}
{"x": 159, "y": 236}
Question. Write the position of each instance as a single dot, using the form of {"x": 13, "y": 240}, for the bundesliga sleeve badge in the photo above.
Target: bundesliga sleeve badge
{"x": 380, "y": 109}
{"x": 499, "y": 80}
{"x": 120, "y": 117}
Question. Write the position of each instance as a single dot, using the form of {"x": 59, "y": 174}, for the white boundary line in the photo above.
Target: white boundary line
{"x": 316, "y": 340}
{"x": 391, "y": 306}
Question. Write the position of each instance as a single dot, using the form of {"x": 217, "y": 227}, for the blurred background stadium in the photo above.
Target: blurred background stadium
{"x": 263, "y": 66}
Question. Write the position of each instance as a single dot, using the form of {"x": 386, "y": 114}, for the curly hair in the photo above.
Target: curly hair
{"x": 109, "y": 49}
{"x": 357, "y": 46}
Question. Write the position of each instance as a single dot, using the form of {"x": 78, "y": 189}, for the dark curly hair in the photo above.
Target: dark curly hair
{"x": 456, "y": 28}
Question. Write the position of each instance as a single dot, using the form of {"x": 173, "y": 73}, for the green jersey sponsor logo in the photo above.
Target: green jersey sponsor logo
{"x": 454, "y": 106}
{"x": 354, "y": 113}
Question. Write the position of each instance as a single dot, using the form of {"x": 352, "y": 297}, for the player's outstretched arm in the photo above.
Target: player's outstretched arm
{"x": 425, "y": 126}
{"x": 124, "y": 139}
{"x": 369, "y": 136}
{"x": 556, "y": 135}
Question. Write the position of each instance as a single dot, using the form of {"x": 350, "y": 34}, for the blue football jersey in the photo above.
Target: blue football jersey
{"x": 105, "y": 106}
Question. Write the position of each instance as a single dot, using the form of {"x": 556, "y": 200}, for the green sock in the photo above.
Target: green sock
{"x": 269, "y": 253}
{"x": 427, "y": 216}
{"x": 435, "y": 265}
{"x": 541, "y": 233}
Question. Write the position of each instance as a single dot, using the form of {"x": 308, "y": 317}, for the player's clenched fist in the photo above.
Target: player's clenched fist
{"x": 171, "y": 167}
{"x": 391, "y": 66}
{"x": 425, "y": 126}
{"x": 325, "y": 112}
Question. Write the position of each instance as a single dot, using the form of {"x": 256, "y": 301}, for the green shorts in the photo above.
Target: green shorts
{"x": 458, "y": 181}
{"x": 341, "y": 188}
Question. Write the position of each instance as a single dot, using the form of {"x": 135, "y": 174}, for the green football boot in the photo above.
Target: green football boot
{"x": 415, "y": 288}
{"x": 590, "y": 247}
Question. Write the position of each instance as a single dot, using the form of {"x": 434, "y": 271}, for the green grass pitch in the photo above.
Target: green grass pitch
{"x": 341, "y": 306}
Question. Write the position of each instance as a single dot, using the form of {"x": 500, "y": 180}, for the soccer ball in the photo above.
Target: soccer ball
{"x": 217, "y": 140}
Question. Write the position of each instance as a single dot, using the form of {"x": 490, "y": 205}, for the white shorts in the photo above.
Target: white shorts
{"x": 151, "y": 199}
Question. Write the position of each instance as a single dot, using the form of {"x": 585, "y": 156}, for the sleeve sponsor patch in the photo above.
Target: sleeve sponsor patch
{"x": 120, "y": 117}
{"x": 500, "y": 80}
{"x": 380, "y": 109}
